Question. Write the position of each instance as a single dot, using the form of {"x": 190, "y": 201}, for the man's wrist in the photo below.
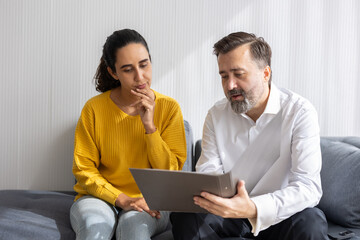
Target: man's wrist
{"x": 252, "y": 210}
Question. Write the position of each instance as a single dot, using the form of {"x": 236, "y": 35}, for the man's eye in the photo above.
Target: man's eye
{"x": 143, "y": 65}
{"x": 239, "y": 75}
{"x": 127, "y": 70}
{"x": 224, "y": 77}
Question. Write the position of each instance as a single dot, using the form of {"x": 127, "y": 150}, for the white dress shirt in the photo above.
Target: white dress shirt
{"x": 290, "y": 184}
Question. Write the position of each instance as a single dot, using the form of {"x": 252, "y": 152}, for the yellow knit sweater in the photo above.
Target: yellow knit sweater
{"x": 108, "y": 142}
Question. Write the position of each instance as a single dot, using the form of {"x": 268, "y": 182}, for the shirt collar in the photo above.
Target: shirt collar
{"x": 273, "y": 105}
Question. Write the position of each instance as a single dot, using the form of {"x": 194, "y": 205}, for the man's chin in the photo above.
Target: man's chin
{"x": 237, "y": 102}
{"x": 239, "y": 109}
{"x": 240, "y": 106}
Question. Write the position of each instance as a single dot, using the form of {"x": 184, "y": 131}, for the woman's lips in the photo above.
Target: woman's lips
{"x": 142, "y": 86}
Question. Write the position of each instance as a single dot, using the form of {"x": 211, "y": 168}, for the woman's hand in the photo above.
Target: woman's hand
{"x": 138, "y": 204}
{"x": 145, "y": 107}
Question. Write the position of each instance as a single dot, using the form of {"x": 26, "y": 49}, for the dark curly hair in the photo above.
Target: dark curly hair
{"x": 103, "y": 80}
{"x": 259, "y": 48}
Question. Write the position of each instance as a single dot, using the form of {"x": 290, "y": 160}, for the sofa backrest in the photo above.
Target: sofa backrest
{"x": 340, "y": 177}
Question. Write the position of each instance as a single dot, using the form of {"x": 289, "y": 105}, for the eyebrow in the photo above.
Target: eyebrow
{"x": 233, "y": 70}
{"x": 129, "y": 65}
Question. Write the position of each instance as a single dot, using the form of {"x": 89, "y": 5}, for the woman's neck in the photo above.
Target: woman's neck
{"x": 126, "y": 97}
{"x": 124, "y": 100}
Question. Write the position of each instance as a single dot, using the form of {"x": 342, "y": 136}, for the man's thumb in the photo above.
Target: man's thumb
{"x": 241, "y": 187}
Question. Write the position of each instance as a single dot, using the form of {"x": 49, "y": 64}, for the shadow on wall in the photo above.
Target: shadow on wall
{"x": 59, "y": 156}
{"x": 192, "y": 31}
{"x": 184, "y": 65}
{"x": 54, "y": 170}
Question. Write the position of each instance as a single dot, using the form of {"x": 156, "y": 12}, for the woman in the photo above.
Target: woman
{"x": 128, "y": 125}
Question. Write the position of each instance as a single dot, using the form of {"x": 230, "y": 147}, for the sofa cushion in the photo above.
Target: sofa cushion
{"x": 340, "y": 177}
{"x": 35, "y": 215}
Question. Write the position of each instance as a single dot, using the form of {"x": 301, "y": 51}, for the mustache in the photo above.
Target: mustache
{"x": 234, "y": 91}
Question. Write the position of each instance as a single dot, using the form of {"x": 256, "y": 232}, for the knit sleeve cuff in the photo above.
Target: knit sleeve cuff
{"x": 153, "y": 139}
{"x": 110, "y": 194}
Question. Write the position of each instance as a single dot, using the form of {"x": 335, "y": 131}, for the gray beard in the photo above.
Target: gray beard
{"x": 241, "y": 106}
{"x": 244, "y": 105}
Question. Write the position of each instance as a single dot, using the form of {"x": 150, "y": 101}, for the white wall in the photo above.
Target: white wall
{"x": 49, "y": 51}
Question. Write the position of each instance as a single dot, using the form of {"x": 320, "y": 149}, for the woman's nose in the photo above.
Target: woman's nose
{"x": 139, "y": 75}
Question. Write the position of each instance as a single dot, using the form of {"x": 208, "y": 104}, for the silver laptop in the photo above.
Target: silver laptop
{"x": 166, "y": 190}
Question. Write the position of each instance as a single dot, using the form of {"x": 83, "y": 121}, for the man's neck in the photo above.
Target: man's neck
{"x": 259, "y": 108}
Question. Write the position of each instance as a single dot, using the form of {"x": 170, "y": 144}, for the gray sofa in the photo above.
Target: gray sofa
{"x": 44, "y": 215}
{"x": 26, "y": 214}
{"x": 340, "y": 176}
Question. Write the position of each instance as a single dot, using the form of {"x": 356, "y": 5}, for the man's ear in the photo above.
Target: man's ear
{"x": 267, "y": 73}
{"x": 112, "y": 73}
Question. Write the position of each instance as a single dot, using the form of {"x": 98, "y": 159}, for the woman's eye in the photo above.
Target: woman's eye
{"x": 127, "y": 70}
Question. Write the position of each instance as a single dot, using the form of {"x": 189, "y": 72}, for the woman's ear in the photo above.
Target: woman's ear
{"x": 112, "y": 73}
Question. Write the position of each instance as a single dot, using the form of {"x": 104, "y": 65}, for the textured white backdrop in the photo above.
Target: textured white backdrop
{"x": 49, "y": 51}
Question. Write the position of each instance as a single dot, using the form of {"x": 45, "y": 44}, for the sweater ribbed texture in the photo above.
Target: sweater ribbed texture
{"x": 108, "y": 142}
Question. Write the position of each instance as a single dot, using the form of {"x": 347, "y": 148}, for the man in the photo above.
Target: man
{"x": 280, "y": 130}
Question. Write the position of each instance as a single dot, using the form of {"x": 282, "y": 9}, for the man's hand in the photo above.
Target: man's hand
{"x": 138, "y": 204}
{"x": 239, "y": 206}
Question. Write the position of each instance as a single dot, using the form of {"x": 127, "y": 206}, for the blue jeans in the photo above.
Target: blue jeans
{"x": 93, "y": 218}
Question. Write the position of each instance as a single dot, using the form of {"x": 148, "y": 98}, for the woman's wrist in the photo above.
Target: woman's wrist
{"x": 150, "y": 129}
{"x": 122, "y": 200}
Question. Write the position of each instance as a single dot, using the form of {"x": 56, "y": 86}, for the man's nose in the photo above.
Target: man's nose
{"x": 231, "y": 83}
